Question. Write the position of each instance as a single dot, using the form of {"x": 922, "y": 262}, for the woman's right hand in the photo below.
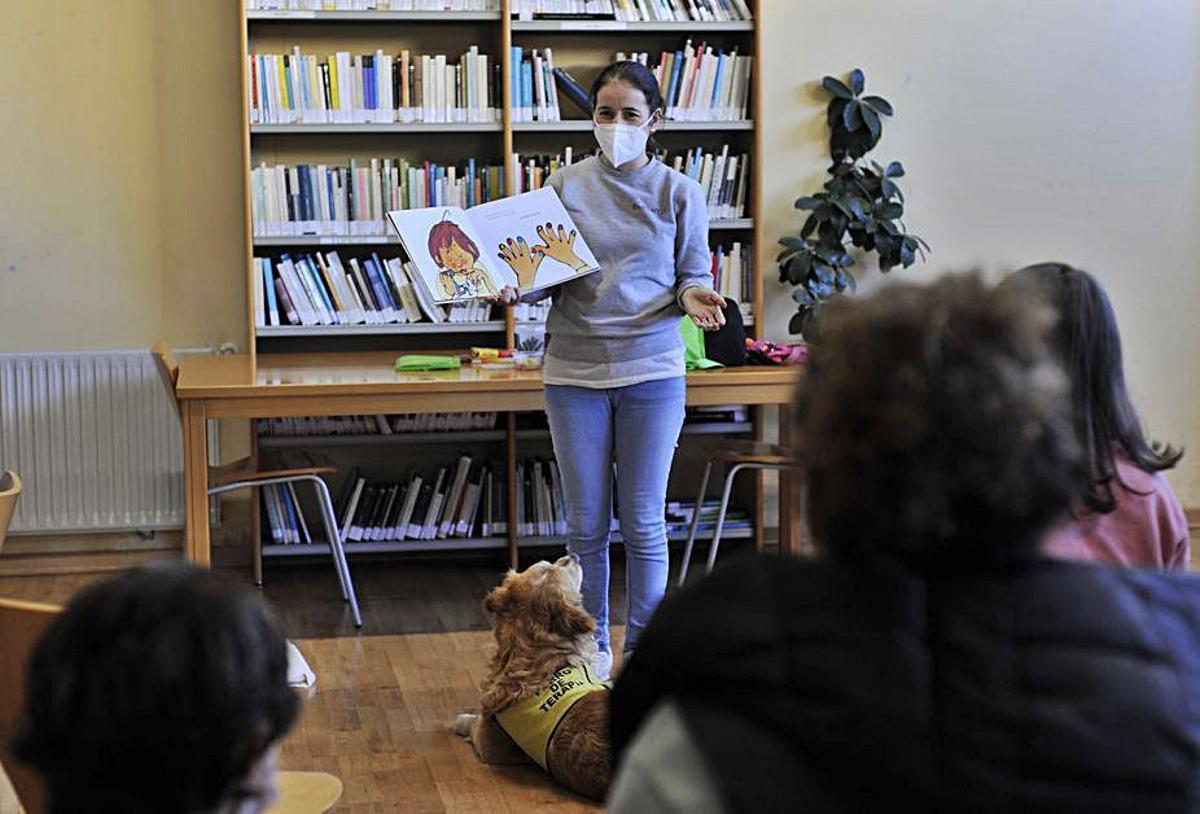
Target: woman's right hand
{"x": 507, "y": 296}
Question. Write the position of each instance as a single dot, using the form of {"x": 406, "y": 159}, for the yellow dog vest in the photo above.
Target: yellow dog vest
{"x": 531, "y": 721}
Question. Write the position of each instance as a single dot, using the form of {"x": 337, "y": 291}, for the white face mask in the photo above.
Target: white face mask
{"x": 622, "y": 143}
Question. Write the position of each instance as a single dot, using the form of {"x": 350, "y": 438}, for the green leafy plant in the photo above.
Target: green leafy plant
{"x": 861, "y": 207}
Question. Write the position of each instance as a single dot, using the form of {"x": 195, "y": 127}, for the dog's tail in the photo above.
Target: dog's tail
{"x": 463, "y": 723}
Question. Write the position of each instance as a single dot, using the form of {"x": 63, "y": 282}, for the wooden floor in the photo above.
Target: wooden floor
{"x": 381, "y": 717}
{"x": 381, "y": 721}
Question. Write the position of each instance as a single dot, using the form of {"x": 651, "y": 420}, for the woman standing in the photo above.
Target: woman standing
{"x": 614, "y": 367}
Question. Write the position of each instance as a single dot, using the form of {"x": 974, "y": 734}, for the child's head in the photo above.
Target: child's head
{"x": 934, "y": 427}
{"x": 626, "y": 93}
{"x": 1088, "y": 344}
{"x": 451, "y": 248}
{"x": 161, "y": 690}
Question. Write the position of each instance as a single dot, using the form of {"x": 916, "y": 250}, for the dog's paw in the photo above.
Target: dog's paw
{"x": 463, "y": 723}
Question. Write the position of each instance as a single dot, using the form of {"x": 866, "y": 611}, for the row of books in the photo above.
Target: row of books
{"x": 531, "y": 311}
{"x": 531, "y": 171}
{"x": 717, "y": 414}
{"x": 535, "y": 89}
{"x": 318, "y": 289}
{"x": 376, "y": 88}
{"x": 634, "y": 10}
{"x": 680, "y": 512}
{"x": 466, "y": 499}
{"x": 379, "y": 424}
{"x": 285, "y": 520}
{"x": 372, "y": 5}
{"x": 353, "y": 200}
{"x": 723, "y": 177}
{"x": 407, "y": 423}
{"x": 450, "y": 508}
{"x": 699, "y": 83}
{"x": 732, "y": 271}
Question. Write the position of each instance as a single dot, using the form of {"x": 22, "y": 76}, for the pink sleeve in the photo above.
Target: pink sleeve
{"x": 1173, "y": 524}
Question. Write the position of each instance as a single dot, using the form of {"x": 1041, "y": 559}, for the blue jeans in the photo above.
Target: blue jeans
{"x": 637, "y": 427}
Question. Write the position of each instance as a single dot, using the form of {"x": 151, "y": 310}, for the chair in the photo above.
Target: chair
{"x": 21, "y": 625}
{"x": 247, "y": 473}
{"x": 10, "y": 490}
{"x": 738, "y": 455}
{"x": 306, "y": 793}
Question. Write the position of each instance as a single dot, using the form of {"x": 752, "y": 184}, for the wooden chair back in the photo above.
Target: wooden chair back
{"x": 21, "y": 625}
{"x": 168, "y": 368}
{"x": 10, "y": 490}
{"x": 306, "y": 793}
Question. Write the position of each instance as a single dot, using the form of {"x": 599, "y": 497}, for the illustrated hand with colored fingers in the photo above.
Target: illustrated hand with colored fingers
{"x": 522, "y": 260}
{"x": 559, "y": 245}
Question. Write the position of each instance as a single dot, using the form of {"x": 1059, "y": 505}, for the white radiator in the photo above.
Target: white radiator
{"x": 95, "y": 439}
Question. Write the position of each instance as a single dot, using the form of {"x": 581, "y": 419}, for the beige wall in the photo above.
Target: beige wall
{"x": 1064, "y": 129}
{"x": 121, "y": 212}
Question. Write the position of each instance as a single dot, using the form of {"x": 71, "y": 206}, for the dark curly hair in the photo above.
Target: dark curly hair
{"x": 936, "y": 429}
{"x": 156, "y": 691}
{"x": 1088, "y": 344}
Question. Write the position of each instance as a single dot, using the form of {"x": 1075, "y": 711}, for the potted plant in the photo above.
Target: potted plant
{"x": 860, "y": 208}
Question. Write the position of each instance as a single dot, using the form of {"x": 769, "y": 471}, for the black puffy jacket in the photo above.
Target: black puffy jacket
{"x": 817, "y": 687}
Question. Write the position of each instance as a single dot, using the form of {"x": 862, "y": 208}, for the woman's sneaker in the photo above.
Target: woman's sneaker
{"x": 602, "y": 665}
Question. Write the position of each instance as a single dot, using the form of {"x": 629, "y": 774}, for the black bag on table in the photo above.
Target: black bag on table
{"x": 727, "y": 344}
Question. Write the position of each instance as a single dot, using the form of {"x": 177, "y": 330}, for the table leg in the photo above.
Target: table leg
{"x": 789, "y": 495}
{"x": 197, "y": 547}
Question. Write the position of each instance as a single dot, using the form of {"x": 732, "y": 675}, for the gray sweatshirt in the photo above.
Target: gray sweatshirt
{"x": 649, "y": 231}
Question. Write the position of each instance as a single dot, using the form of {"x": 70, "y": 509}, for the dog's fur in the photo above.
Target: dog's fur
{"x": 540, "y": 627}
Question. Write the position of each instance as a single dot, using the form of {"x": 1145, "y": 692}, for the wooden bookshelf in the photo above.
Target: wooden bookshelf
{"x": 585, "y": 47}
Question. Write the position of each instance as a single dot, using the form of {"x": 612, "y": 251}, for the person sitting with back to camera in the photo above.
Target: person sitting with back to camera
{"x": 931, "y": 656}
{"x": 1129, "y": 514}
{"x": 164, "y": 691}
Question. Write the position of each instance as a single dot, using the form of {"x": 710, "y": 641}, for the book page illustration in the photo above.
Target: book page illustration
{"x": 534, "y": 236}
{"x": 446, "y": 252}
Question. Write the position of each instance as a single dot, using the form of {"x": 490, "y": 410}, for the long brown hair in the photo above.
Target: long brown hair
{"x": 1089, "y": 346}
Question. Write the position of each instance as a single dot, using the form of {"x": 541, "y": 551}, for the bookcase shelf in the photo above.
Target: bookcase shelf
{"x": 594, "y": 26}
{"x": 727, "y": 224}
{"x": 366, "y": 127}
{"x": 318, "y": 549}
{"x": 374, "y": 16}
{"x": 381, "y": 330}
{"x": 730, "y": 224}
{"x": 327, "y": 240}
{"x": 670, "y": 126}
{"x": 463, "y": 437}
{"x": 584, "y": 46}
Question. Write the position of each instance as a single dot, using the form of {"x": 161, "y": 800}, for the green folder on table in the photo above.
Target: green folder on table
{"x": 693, "y": 347}
{"x": 413, "y": 363}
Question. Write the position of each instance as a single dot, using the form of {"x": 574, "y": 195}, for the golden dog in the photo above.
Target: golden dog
{"x": 541, "y": 699}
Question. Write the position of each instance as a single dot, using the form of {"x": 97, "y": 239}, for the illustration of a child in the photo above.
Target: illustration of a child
{"x": 457, "y": 256}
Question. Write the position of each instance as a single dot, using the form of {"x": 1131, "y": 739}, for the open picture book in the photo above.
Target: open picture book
{"x": 527, "y": 241}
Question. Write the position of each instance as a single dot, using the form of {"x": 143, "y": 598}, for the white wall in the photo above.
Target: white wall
{"x": 1060, "y": 129}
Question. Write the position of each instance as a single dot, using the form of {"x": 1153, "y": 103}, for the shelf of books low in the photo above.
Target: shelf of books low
{"x": 491, "y": 326}
{"x": 366, "y": 127}
{"x": 304, "y": 16}
{"x": 568, "y": 126}
{"x": 319, "y": 547}
{"x": 585, "y": 26}
{"x": 722, "y": 225}
{"x": 671, "y": 125}
{"x": 470, "y": 437}
{"x": 566, "y": 26}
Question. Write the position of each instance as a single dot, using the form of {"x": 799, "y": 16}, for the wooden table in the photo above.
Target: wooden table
{"x": 325, "y": 384}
